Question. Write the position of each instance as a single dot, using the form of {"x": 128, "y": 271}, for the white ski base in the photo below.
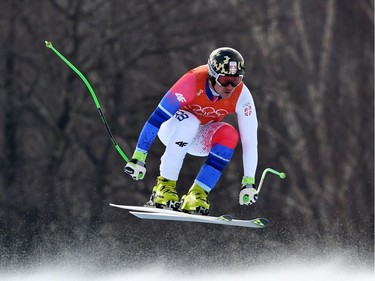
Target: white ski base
{"x": 153, "y": 213}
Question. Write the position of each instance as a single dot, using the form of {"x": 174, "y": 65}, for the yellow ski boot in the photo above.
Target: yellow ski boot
{"x": 164, "y": 194}
{"x": 195, "y": 201}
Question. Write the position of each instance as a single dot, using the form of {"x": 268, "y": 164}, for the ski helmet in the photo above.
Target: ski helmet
{"x": 225, "y": 61}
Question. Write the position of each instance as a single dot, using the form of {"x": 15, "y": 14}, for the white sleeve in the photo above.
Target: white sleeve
{"x": 248, "y": 127}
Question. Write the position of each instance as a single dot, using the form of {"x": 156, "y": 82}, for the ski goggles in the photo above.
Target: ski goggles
{"x": 224, "y": 81}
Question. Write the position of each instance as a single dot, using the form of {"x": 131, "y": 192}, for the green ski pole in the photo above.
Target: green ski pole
{"x": 97, "y": 104}
{"x": 282, "y": 175}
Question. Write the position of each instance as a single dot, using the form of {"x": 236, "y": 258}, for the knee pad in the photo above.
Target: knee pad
{"x": 226, "y": 135}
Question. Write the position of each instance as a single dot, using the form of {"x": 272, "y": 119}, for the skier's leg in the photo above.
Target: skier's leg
{"x": 222, "y": 142}
{"x": 177, "y": 134}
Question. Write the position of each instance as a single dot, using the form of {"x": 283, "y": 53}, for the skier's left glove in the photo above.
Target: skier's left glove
{"x": 136, "y": 167}
{"x": 248, "y": 194}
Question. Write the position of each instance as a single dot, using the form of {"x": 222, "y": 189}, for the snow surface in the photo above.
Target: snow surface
{"x": 301, "y": 269}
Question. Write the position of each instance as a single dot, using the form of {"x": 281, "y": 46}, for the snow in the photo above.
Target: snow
{"x": 289, "y": 269}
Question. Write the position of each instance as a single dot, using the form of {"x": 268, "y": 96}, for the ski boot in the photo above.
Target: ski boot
{"x": 195, "y": 202}
{"x": 164, "y": 194}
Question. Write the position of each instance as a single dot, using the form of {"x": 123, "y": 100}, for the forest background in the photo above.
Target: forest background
{"x": 309, "y": 66}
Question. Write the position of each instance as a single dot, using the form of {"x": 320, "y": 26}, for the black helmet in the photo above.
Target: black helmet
{"x": 225, "y": 62}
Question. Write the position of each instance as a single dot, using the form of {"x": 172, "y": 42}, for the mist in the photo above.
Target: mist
{"x": 301, "y": 260}
{"x": 338, "y": 265}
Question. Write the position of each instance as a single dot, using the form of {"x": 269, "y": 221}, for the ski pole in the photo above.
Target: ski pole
{"x": 91, "y": 90}
{"x": 282, "y": 175}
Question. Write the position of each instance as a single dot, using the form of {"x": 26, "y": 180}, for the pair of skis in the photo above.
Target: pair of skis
{"x": 152, "y": 213}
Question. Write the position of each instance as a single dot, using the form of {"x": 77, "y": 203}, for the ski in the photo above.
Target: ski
{"x": 153, "y": 213}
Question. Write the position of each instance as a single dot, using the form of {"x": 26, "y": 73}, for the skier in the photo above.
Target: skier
{"x": 188, "y": 120}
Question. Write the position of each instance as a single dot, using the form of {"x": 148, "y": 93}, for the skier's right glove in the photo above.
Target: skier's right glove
{"x": 136, "y": 167}
{"x": 248, "y": 194}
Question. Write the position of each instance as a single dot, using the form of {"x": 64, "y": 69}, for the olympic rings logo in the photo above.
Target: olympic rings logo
{"x": 209, "y": 112}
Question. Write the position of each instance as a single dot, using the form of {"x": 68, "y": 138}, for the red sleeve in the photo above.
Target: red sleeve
{"x": 184, "y": 88}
